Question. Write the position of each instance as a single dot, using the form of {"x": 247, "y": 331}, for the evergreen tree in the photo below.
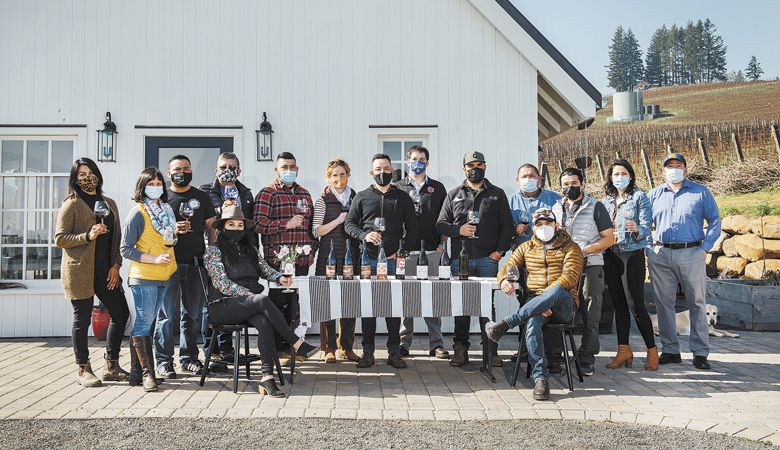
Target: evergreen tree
{"x": 714, "y": 54}
{"x": 691, "y": 52}
{"x": 754, "y": 70}
{"x": 625, "y": 61}
{"x": 654, "y": 74}
{"x": 633, "y": 57}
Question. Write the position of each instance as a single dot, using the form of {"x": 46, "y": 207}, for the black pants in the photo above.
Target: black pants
{"x": 625, "y": 281}
{"x": 393, "y": 334}
{"x": 116, "y": 304}
{"x": 283, "y": 302}
{"x": 260, "y": 312}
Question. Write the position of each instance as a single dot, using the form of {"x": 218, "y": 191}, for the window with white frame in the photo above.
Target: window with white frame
{"x": 34, "y": 174}
{"x": 396, "y": 147}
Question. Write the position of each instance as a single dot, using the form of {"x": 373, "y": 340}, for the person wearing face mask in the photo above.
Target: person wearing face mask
{"x": 382, "y": 199}
{"x": 588, "y": 223}
{"x": 280, "y": 223}
{"x": 221, "y": 190}
{"x": 90, "y": 266}
{"x": 554, "y": 263}
{"x": 428, "y": 196}
{"x": 330, "y": 213}
{"x": 185, "y": 298}
{"x": 530, "y": 197}
{"x": 624, "y": 263}
{"x": 493, "y": 238}
{"x": 235, "y": 293}
{"x": 680, "y": 207}
{"x": 148, "y": 239}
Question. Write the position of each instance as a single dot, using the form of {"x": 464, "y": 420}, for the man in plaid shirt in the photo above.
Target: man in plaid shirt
{"x": 279, "y": 223}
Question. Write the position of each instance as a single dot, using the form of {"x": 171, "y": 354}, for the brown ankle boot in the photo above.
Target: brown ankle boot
{"x": 141, "y": 346}
{"x": 112, "y": 371}
{"x": 461, "y": 357}
{"x": 86, "y": 377}
{"x": 652, "y": 359}
{"x": 624, "y": 357}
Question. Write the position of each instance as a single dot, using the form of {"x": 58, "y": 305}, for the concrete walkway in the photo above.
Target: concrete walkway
{"x": 740, "y": 396}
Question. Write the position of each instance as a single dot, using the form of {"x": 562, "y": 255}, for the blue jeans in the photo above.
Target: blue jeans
{"x": 148, "y": 300}
{"x": 393, "y": 323}
{"x": 479, "y": 267}
{"x": 563, "y": 308}
{"x": 185, "y": 293}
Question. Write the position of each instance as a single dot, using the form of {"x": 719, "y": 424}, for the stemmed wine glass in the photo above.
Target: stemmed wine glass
{"x": 512, "y": 273}
{"x": 473, "y": 218}
{"x": 186, "y": 211}
{"x": 101, "y": 210}
{"x": 379, "y": 224}
{"x": 416, "y": 199}
{"x": 231, "y": 193}
{"x": 302, "y": 206}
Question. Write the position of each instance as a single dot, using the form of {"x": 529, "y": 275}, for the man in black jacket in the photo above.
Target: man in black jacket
{"x": 226, "y": 176}
{"x": 428, "y": 196}
{"x": 493, "y": 237}
{"x": 382, "y": 199}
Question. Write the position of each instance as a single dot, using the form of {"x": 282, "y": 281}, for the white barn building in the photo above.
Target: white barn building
{"x": 348, "y": 78}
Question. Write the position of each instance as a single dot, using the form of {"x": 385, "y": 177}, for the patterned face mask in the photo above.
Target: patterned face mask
{"x": 228, "y": 175}
{"x": 88, "y": 183}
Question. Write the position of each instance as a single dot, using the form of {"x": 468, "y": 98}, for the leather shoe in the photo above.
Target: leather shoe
{"x": 440, "y": 353}
{"x": 541, "y": 390}
{"x": 349, "y": 355}
{"x": 670, "y": 358}
{"x": 367, "y": 360}
{"x": 394, "y": 360}
{"x": 403, "y": 352}
{"x": 494, "y": 331}
{"x": 701, "y": 362}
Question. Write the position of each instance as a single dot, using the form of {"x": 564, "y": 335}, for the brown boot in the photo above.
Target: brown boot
{"x": 86, "y": 377}
{"x": 624, "y": 357}
{"x": 461, "y": 357}
{"x": 349, "y": 355}
{"x": 141, "y": 346}
{"x": 112, "y": 371}
{"x": 652, "y": 359}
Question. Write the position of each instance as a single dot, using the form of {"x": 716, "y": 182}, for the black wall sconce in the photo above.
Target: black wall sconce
{"x": 106, "y": 144}
{"x": 265, "y": 149}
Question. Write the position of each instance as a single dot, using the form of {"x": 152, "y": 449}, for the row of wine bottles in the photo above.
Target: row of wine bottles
{"x": 382, "y": 271}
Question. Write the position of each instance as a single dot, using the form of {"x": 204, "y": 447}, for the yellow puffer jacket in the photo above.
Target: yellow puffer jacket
{"x": 560, "y": 265}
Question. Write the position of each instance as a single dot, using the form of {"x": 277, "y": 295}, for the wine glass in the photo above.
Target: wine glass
{"x": 302, "y": 206}
{"x": 416, "y": 199}
{"x": 512, "y": 273}
{"x": 101, "y": 210}
{"x": 473, "y": 218}
{"x": 169, "y": 238}
{"x": 230, "y": 193}
{"x": 288, "y": 270}
{"x": 379, "y": 224}
{"x": 186, "y": 211}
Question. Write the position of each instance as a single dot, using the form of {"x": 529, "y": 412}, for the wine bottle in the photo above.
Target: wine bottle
{"x": 348, "y": 271}
{"x": 381, "y": 263}
{"x": 463, "y": 262}
{"x": 422, "y": 263}
{"x": 400, "y": 262}
{"x": 444, "y": 264}
{"x": 330, "y": 265}
{"x": 365, "y": 265}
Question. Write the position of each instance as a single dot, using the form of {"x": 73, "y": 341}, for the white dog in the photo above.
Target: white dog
{"x": 683, "y": 323}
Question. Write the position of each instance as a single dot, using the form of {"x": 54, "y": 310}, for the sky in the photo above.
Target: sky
{"x": 582, "y": 30}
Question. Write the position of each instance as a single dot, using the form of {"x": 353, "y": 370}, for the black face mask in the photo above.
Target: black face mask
{"x": 383, "y": 179}
{"x": 475, "y": 175}
{"x": 233, "y": 235}
{"x": 572, "y": 192}
{"x": 181, "y": 179}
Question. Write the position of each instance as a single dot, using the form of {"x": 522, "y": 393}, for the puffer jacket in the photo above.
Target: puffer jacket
{"x": 560, "y": 265}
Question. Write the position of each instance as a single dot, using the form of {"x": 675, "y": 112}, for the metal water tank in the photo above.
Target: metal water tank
{"x": 627, "y": 106}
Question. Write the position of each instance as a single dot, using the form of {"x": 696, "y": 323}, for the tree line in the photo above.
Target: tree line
{"x": 689, "y": 54}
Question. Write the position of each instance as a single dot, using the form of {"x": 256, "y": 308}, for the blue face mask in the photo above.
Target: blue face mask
{"x": 288, "y": 177}
{"x": 528, "y": 185}
{"x": 674, "y": 175}
{"x": 153, "y": 192}
{"x": 418, "y": 167}
{"x": 621, "y": 182}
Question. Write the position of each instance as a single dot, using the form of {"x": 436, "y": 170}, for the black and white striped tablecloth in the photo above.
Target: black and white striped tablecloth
{"x": 322, "y": 300}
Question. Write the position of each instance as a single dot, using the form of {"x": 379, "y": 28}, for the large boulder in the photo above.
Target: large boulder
{"x": 753, "y": 248}
{"x": 729, "y": 247}
{"x": 732, "y": 266}
{"x": 770, "y": 229}
{"x": 736, "y": 224}
{"x": 718, "y": 247}
{"x": 756, "y": 270}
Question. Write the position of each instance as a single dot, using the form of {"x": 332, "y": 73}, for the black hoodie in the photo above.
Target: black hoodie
{"x": 395, "y": 206}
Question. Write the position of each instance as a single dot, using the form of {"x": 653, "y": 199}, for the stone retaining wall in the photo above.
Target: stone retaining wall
{"x": 745, "y": 246}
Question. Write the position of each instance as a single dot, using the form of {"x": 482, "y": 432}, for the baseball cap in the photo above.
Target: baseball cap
{"x": 543, "y": 214}
{"x": 677, "y": 156}
{"x": 473, "y": 156}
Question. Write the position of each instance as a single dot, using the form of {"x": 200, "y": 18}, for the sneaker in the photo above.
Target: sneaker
{"x": 587, "y": 369}
{"x": 440, "y": 353}
{"x": 194, "y": 366}
{"x": 395, "y": 360}
{"x": 166, "y": 372}
{"x": 403, "y": 352}
{"x": 541, "y": 390}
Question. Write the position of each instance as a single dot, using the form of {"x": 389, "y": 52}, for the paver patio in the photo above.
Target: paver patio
{"x": 740, "y": 396}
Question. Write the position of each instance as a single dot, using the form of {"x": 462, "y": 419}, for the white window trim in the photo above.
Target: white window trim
{"x": 429, "y": 135}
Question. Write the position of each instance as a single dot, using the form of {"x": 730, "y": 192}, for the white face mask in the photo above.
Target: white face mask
{"x": 544, "y": 233}
{"x": 674, "y": 175}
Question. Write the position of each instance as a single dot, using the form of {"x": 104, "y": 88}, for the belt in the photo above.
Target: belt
{"x": 679, "y": 245}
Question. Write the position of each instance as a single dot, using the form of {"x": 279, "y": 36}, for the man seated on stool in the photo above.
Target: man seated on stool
{"x": 554, "y": 264}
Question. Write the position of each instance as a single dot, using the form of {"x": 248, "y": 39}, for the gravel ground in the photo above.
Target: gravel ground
{"x": 325, "y": 433}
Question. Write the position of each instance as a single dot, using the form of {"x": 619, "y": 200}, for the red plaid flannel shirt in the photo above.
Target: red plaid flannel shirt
{"x": 274, "y": 207}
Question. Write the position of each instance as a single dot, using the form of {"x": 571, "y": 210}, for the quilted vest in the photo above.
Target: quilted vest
{"x": 581, "y": 226}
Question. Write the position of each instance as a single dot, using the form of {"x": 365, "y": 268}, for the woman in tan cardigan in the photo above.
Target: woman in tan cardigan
{"x": 90, "y": 265}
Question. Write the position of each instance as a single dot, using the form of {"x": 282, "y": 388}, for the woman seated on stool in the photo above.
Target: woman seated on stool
{"x": 235, "y": 294}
